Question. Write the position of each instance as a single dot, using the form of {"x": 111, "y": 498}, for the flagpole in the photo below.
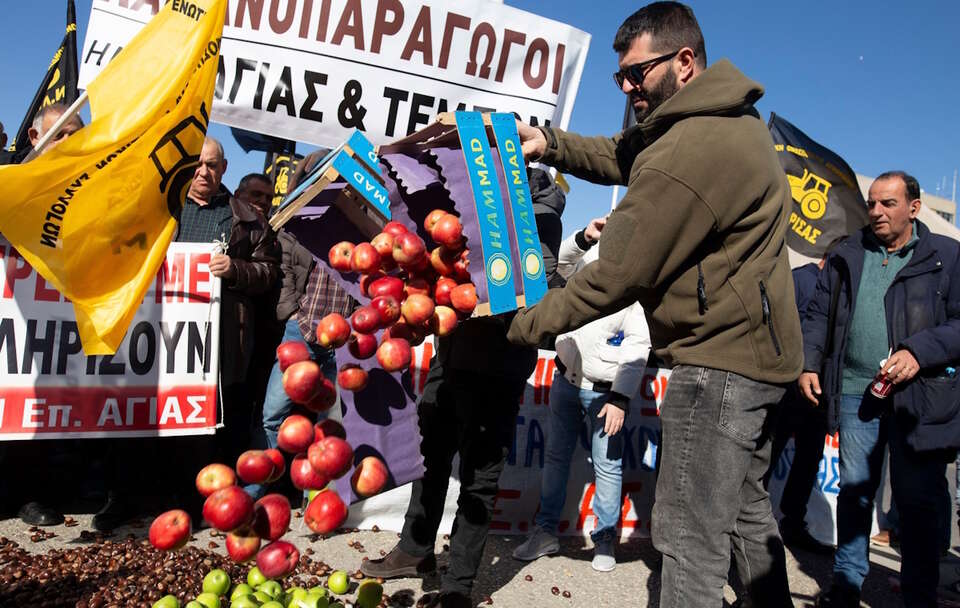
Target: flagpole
{"x": 72, "y": 111}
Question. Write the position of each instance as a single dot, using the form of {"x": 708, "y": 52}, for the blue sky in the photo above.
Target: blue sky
{"x": 876, "y": 81}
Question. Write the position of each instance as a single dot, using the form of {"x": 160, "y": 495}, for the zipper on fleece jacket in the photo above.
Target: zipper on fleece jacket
{"x": 701, "y": 290}
{"x": 768, "y": 317}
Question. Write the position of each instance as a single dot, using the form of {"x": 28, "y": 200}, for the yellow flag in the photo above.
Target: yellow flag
{"x": 95, "y": 214}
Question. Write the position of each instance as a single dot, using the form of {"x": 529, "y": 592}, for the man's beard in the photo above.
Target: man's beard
{"x": 665, "y": 89}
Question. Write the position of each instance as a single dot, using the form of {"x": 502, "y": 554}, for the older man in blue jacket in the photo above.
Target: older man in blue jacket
{"x": 889, "y": 293}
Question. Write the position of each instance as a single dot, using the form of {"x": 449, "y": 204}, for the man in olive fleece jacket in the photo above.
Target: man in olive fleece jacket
{"x": 698, "y": 240}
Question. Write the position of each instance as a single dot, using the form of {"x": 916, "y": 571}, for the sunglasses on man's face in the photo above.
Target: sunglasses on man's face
{"x": 635, "y": 74}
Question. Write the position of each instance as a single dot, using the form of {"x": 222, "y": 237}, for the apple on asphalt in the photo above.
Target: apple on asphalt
{"x": 278, "y": 559}
{"x": 325, "y": 513}
{"x": 217, "y": 582}
{"x": 255, "y": 578}
{"x": 170, "y": 530}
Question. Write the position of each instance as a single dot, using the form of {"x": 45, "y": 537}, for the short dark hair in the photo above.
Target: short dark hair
{"x": 246, "y": 179}
{"x": 911, "y": 183}
{"x": 671, "y": 25}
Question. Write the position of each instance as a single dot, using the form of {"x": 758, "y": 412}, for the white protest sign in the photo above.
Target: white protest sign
{"x": 161, "y": 381}
{"x": 315, "y": 70}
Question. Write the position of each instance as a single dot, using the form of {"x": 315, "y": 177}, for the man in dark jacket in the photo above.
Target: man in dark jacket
{"x": 698, "y": 241}
{"x": 469, "y": 407}
{"x": 887, "y": 307}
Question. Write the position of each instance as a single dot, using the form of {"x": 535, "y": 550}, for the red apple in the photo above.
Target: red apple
{"x": 352, "y": 377}
{"x": 295, "y": 434}
{"x": 271, "y": 516}
{"x": 415, "y": 285}
{"x": 331, "y": 457}
{"x": 325, "y": 398}
{"x": 365, "y": 320}
{"x": 228, "y": 509}
{"x": 417, "y": 309}
{"x": 362, "y": 346}
{"x": 464, "y": 298}
{"x": 448, "y": 232}
{"x": 170, "y": 530}
{"x": 369, "y": 476}
{"x": 387, "y": 286}
{"x": 279, "y": 464}
{"x": 417, "y": 266}
{"x": 367, "y": 281}
{"x": 215, "y": 477}
{"x": 325, "y": 513}
{"x": 242, "y": 544}
{"x": 388, "y": 310}
{"x": 290, "y": 352}
{"x": 333, "y": 331}
{"x": 394, "y": 229}
{"x": 383, "y": 243}
{"x": 254, "y": 466}
{"x": 339, "y": 256}
{"x": 432, "y": 218}
{"x": 443, "y": 261}
{"x": 277, "y": 559}
{"x": 304, "y": 477}
{"x": 444, "y": 321}
{"x": 301, "y": 380}
{"x": 407, "y": 247}
{"x": 329, "y": 428}
{"x": 394, "y": 354}
{"x": 364, "y": 258}
{"x": 441, "y": 291}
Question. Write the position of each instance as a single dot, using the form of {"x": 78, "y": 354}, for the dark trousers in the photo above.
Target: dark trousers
{"x": 808, "y": 425}
{"x": 473, "y": 415}
{"x": 710, "y": 498}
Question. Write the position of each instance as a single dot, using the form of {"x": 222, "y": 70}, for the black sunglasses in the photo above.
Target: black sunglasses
{"x": 634, "y": 74}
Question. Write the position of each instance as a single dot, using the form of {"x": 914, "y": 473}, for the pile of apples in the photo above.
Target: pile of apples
{"x": 412, "y": 293}
{"x": 321, "y": 454}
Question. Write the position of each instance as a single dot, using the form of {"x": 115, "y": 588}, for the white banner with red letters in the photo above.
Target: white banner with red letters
{"x": 519, "y": 496}
{"x": 313, "y": 71}
{"x": 161, "y": 381}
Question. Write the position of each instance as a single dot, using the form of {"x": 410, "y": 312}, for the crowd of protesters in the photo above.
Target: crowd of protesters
{"x": 758, "y": 353}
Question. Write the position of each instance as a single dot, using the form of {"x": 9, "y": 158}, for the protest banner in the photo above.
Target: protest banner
{"x": 162, "y": 380}
{"x": 315, "y": 71}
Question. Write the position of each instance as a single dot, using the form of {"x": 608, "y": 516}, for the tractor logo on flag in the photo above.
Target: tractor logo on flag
{"x": 810, "y": 191}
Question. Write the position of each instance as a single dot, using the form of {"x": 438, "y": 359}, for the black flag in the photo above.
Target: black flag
{"x": 58, "y": 85}
{"x": 827, "y": 202}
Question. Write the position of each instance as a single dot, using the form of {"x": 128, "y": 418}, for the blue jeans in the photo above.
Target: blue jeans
{"x": 568, "y": 404}
{"x": 276, "y": 405}
{"x": 919, "y": 485}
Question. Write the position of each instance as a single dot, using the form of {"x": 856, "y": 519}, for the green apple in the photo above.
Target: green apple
{"x": 216, "y": 582}
{"x": 314, "y": 600}
{"x": 271, "y": 588}
{"x": 338, "y": 582}
{"x": 272, "y": 604}
{"x": 194, "y": 604}
{"x": 262, "y": 596}
{"x": 255, "y": 578}
{"x": 210, "y": 600}
{"x": 244, "y": 601}
{"x": 294, "y": 595}
{"x": 241, "y": 590}
{"x": 369, "y": 594}
{"x": 167, "y": 601}
{"x": 321, "y": 591}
